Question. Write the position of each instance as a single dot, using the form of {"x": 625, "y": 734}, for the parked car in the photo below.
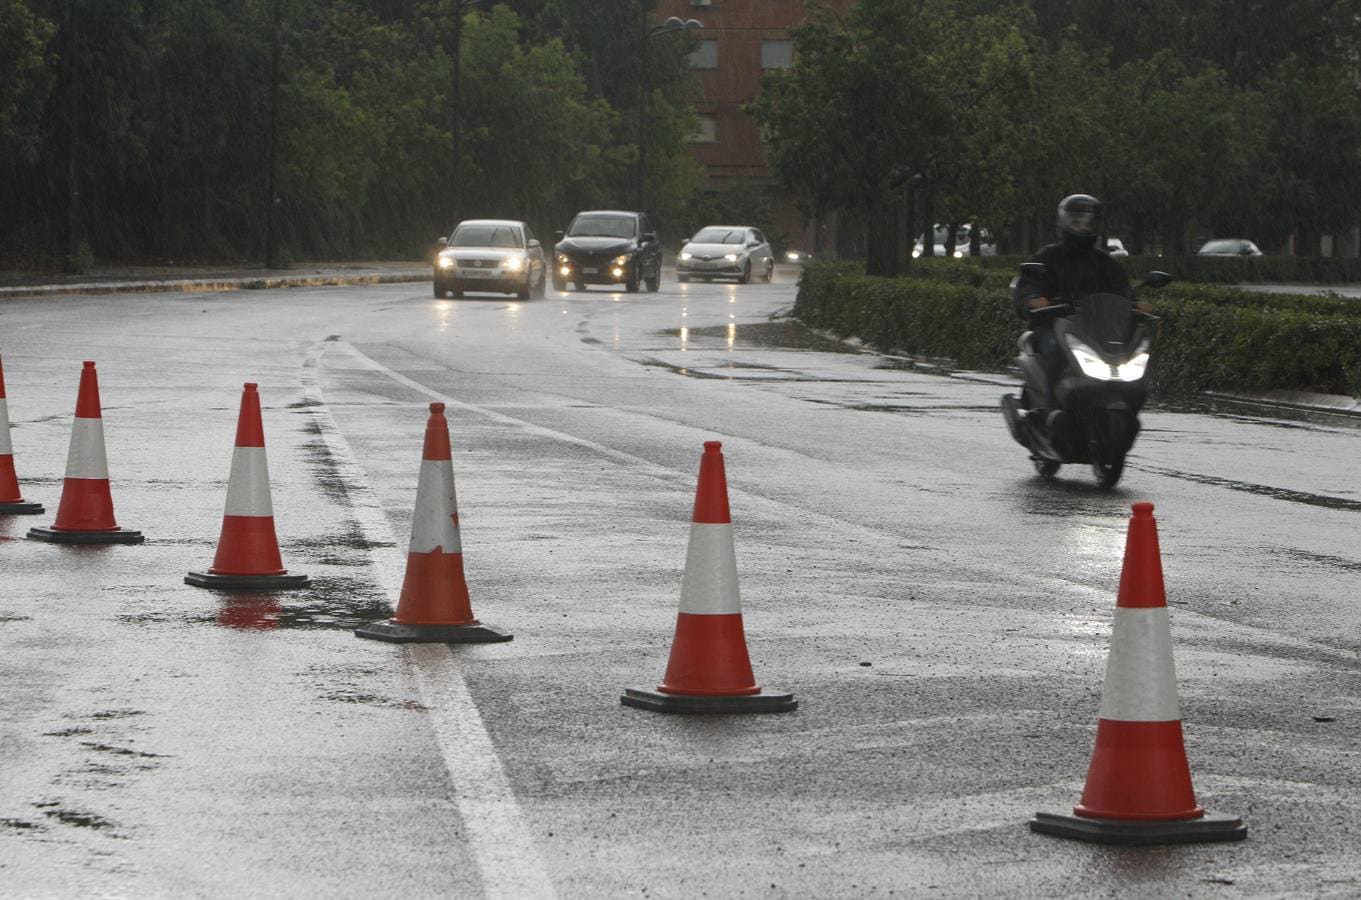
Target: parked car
{"x": 938, "y": 249}
{"x": 497, "y": 255}
{"x": 726, "y": 251}
{"x": 986, "y": 245}
{"x": 1116, "y": 247}
{"x": 608, "y": 247}
{"x": 1229, "y": 247}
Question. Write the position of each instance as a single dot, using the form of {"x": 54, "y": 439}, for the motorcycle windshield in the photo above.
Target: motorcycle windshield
{"x": 1105, "y": 322}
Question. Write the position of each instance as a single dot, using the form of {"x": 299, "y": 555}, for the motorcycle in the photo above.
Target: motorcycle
{"x": 1105, "y": 344}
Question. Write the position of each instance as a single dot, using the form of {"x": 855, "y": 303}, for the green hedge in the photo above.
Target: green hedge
{"x": 1208, "y": 338}
{"x": 1202, "y": 269}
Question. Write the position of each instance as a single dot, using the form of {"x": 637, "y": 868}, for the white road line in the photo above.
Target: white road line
{"x": 1100, "y": 597}
{"x": 508, "y": 862}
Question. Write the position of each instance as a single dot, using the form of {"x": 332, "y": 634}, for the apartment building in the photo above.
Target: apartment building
{"x": 740, "y": 41}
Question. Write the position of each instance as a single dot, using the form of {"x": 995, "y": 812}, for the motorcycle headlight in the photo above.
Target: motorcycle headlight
{"x": 621, "y": 260}
{"x": 1094, "y": 366}
{"x": 730, "y": 257}
{"x": 446, "y": 262}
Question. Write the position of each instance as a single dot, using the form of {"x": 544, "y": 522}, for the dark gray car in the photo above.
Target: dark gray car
{"x": 608, "y": 246}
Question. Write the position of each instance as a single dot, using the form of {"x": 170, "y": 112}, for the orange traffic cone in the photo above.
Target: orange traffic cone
{"x": 434, "y": 606}
{"x": 1139, "y": 784}
{"x": 248, "y": 550}
{"x": 12, "y": 502}
{"x": 709, "y": 671}
{"x": 85, "y": 514}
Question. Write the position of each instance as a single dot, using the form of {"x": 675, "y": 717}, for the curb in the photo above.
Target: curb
{"x": 199, "y": 285}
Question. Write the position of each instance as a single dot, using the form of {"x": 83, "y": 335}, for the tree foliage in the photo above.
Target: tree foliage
{"x": 1188, "y": 119}
{"x": 142, "y": 128}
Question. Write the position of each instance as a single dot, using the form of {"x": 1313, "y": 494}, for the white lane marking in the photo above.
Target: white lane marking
{"x": 508, "y": 862}
{"x": 1100, "y": 597}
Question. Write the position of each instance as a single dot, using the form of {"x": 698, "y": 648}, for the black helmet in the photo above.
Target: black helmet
{"x": 1079, "y": 220}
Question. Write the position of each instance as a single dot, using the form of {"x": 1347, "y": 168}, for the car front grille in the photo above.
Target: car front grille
{"x": 478, "y": 263}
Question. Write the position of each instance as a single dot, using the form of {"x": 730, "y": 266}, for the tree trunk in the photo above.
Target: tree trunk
{"x": 881, "y": 240}
{"x": 928, "y": 222}
{"x": 975, "y": 240}
{"x": 951, "y": 238}
{"x": 74, "y": 233}
{"x": 906, "y": 220}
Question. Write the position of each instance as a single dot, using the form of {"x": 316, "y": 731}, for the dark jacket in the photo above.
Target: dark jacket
{"x": 1073, "y": 273}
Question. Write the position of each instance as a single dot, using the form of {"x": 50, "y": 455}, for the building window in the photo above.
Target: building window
{"x": 705, "y": 55}
{"x": 776, "y": 54}
{"x": 706, "y": 130}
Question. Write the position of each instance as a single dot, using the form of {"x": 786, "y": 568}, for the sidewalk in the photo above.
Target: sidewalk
{"x": 143, "y": 279}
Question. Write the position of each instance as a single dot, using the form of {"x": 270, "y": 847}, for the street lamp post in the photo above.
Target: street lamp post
{"x": 456, "y": 118}
{"x": 670, "y": 26}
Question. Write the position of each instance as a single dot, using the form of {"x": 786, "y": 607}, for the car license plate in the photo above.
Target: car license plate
{"x": 590, "y": 270}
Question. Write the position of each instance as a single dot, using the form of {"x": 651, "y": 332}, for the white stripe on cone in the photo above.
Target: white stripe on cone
{"x": 1141, "y": 682}
{"x": 86, "y": 457}
{"x": 709, "y": 585}
{"x": 6, "y": 448}
{"x": 432, "y": 525}
{"x": 248, "y": 489}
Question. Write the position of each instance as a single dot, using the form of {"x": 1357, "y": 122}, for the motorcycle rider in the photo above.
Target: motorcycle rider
{"x": 1074, "y": 267}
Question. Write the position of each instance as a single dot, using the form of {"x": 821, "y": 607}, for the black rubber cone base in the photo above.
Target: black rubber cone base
{"x": 656, "y": 701}
{"x": 397, "y": 633}
{"x": 247, "y": 582}
{"x": 21, "y": 508}
{"x": 52, "y": 536}
{"x": 1209, "y": 827}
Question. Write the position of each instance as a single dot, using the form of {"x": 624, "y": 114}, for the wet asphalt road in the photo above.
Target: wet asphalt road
{"x": 940, "y": 613}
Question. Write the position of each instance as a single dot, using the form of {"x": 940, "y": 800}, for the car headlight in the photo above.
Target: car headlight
{"x": 685, "y": 256}
{"x": 513, "y": 263}
{"x": 1094, "y": 366}
{"x": 916, "y": 252}
{"x": 621, "y": 260}
{"x": 563, "y": 259}
{"x": 792, "y": 256}
{"x": 959, "y": 254}
{"x": 730, "y": 257}
{"x": 446, "y": 262}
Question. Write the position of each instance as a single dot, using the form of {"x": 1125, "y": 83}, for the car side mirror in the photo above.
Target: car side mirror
{"x": 557, "y": 235}
{"x": 442, "y": 242}
{"x": 534, "y": 242}
{"x": 1034, "y": 269}
{"x": 649, "y": 238}
{"x": 1157, "y": 280}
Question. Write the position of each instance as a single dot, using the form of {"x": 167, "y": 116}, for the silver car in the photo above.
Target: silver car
{"x": 497, "y": 255}
{"x": 726, "y": 251}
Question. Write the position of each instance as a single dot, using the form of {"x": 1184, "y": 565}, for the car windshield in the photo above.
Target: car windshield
{"x": 485, "y": 235}
{"x": 719, "y": 236}
{"x": 1220, "y": 247}
{"x": 602, "y": 226}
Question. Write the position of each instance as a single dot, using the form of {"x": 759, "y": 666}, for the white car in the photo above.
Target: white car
{"x": 726, "y": 251}
{"x": 497, "y": 255}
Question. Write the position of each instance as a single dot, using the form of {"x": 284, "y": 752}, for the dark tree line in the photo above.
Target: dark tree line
{"x": 143, "y": 128}
{"x": 1189, "y": 119}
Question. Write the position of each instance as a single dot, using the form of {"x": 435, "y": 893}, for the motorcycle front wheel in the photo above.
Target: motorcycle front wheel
{"x": 1045, "y": 468}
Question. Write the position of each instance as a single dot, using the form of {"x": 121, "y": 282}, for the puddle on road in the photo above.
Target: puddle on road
{"x": 1323, "y": 559}
{"x": 787, "y": 334}
{"x": 329, "y": 604}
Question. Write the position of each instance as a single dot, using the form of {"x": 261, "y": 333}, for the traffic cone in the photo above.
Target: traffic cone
{"x": 709, "y": 671}
{"x": 1139, "y": 784}
{"x": 85, "y": 514}
{"x": 12, "y": 502}
{"x": 434, "y": 606}
{"x": 248, "y": 550}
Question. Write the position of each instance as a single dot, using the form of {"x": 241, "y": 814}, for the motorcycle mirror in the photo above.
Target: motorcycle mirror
{"x": 1034, "y": 269}
{"x": 1157, "y": 279}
